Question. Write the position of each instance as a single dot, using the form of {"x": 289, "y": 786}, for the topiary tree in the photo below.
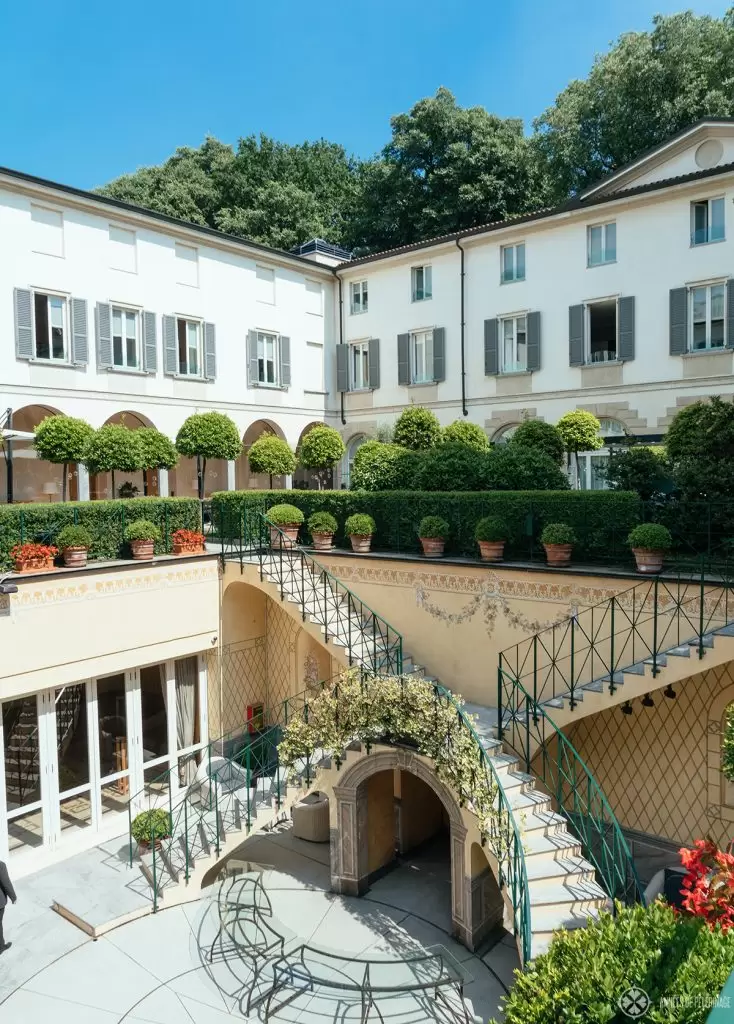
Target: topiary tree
{"x": 642, "y": 468}
{"x": 579, "y": 432}
{"x": 417, "y": 428}
{"x": 467, "y": 433}
{"x": 113, "y": 447}
{"x": 208, "y": 435}
{"x": 157, "y": 451}
{"x": 543, "y": 437}
{"x": 510, "y": 468}
{"x": 377, "y": 466}
{"x": 452, "y": 466}
{"x": 61, "y": 440}
{"x": 271, "y": 455}
{"x": 320, "y": 450}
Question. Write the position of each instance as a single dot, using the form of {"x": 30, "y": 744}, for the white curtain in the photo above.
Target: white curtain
{"x": 187, "y": 678}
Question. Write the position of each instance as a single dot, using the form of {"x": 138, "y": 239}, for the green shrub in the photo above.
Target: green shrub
{"x": 558, "y": 533}
{"x": 652, "y": 536}
{"x": 322, "y": 522}
{"x": 727, "y": 745}
{"x": 516, "y": 468}
{"x": 417, "y": 428}
{"x": 542, "y": 437}
{"x": 142, "y": 529}
{"x": 272, "y": 456}
{"x": 208, "y": 435}
{"x": 151, "y": 825}
{"x": 74, "y": 537}
{"x": 467, "y": 433}
{"x": 359, "y": 525}
{"x": 451, "y": 466}
{"x": 157, "y": 449}
{"x": 320, "y": 450}
{"x": 285, "y": 515}
{"x": 113, "y": 447}
{"x": 434, "y": 527}
{"x": 377, "y": 466}
{"x": 579, "y": 431}
{"x": 62, "y": 440}
{"x": 491, "y": 529}
{"x": 675, "y": 959}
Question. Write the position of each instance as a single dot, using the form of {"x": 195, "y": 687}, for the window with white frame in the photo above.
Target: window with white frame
{"x": 267, "y": 358}
{"x": 421, "y": 357}
{"x": 513, "y": 262}
{"x": 707, "y": 221}
{"x": 359, "y": 369}
{"x": 601, "y": 331}
{"x": 422, "y": 284}
{"x": 47, "y": 231}
{"x": 187, "y": 265}
{"x": 707, "y": 316}
{"x": 125, "y": 338}
{"x": 358, "y": 297}
{"x": 314, "y": 298}
{"x": 122, "y": 250}
{"x": 51, "y": 326}
{"x": 587, "y": 471}
{"x": 601, "y": 243}
{"x": 188, "y": 333}
{"x": 313, "y": 377}
{"x": 265, "y": 285}
{"x": 513, "y": 341}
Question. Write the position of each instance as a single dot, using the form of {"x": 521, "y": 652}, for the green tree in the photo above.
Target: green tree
{"x": 467, "y": 433}
{"x": 417, "y": 428}
{"x": 271, "y": 455}
{"x": 451, "y": 466}
{"x": 514, "y": 468}
{"x": 579, "y": 432}
{"x": 114, "y": 447}
{"x": 62, "y": 440}
{"x": 208, "y": 435}
{"x": 320, "y": 450}
{"x": 544, "y": 437}
{"x": 379, "y": 467}
{"x": 642, "y": 468}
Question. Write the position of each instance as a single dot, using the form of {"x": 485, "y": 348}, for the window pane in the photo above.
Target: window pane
{"x": 595, "y": 241}
{"x": 192, "y": 331}
{"x": 40, "y": 309}
{"x": 56, "y": 312}
{"x": 717, "y": 301}
{"x": 700, "y": 223}
{"x": 611, "y": 242}
{"x": 699, "y": 304}
{"x": 508, "y": 345}
{"x": 717, "y": 334}
{"x": 507, "y": 264}
{"x": 520, "y": 262}
{"x": 117, "y": 322}
{"x": 699, "y": 335}
{"x": 181, "y": 328}
{"x": 716, "y": 232}
{"x": 427, "y": 287}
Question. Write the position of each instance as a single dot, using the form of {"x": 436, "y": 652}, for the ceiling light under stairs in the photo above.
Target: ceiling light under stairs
{"x": 647, "y": 701}
{"x": 669, "y": 692}
{"x": 626, "y": 708}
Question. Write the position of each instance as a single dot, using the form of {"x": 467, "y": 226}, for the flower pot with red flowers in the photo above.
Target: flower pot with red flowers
{"x": 432, "y": 534}
{"x": 558, "y": 540}
{"x": 74, "y": 542}
{"x": 142, "y": 535}
{"x": 150, "y": 828}
{"x": 285, "y": 522}
{"x": 359, "y": 528}
{"x": 187, "y": 542}
{"x": 490, "y": 534}
{"x": 32, "y": 557}
{"x": 649, "y": 543}
{"x": 322, "y": 526}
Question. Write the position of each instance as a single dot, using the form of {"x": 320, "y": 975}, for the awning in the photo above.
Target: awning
{"x": 15, "y": 435}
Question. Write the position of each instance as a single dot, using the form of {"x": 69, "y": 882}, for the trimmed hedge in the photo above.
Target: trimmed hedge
{"x": 601, "y": 520}
{"x": 105, "y": 520}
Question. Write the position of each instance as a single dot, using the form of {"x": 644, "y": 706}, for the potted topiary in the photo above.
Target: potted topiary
{"x": 284, "y": 521}
{"x": 141, "y": 535}
{"x": 359, "y": 528}
{"x": 490, "y": 534}
{"x": 432, "y": 533}
{"x": 74, "y": 542}
{"x": 187, "y": 542}
{"x": 323, "y": 527}
{"x": 151, "y": 827}
{"x": 32, "y": 557}
{"x": 649, "y": 542}
{"x": 558, "y": 540}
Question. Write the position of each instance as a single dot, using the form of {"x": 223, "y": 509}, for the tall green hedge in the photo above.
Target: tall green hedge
{"x": 105, "y": 520}
{"x": 600, "y": 519}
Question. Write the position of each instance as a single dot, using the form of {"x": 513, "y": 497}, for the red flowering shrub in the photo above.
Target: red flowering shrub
{"x": 709, "y": 883}
{"x": 187, "y": 537}
{"x": 25, "y": 552}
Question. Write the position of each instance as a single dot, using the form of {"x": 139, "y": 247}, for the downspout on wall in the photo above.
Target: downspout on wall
{"x": 341, "y": 342}
{"x": 462, "y": 275}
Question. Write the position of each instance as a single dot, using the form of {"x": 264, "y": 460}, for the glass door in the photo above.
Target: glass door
{"x": 113, "y": 727}
{"x": 22, "y": 773}
{"x": 73, "y": 804}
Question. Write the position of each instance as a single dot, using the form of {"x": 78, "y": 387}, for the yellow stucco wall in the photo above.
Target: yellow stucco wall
{"x": 381, "y": 816}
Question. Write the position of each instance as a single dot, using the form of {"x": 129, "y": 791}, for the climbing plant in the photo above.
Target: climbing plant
{"x": 727, "y": 745}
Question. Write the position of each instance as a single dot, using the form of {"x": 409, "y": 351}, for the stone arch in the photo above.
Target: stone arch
{"x": 244, "y": 479}
{"x": 307, "y": 479}
{"x": 351, "y": 445}
{"x": 127, "y": 485}
{"x": 29, "y": 478}
{"x": 720, "y": 790}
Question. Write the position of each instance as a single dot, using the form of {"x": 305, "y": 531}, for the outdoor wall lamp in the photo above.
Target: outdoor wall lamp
{"x": 647, "y": 701}
{"x": 669, "y": 692}
{"x": 626, "y": 708}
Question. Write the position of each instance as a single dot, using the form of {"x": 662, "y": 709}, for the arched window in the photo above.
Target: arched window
{"x": 348, "y": 461}
{"x": 591, "y": 465}
{"x": 503, "y": 435}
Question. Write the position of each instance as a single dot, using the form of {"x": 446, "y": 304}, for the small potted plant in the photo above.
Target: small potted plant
{"x": 151, "y": 827}
{"x": 649, "y": 543}
{"x": 432, "y": 533}
{"x": 31, "y": 557}
{"x": 359, "y": 528}
{"x": 141, "y": 535}
{"x": 323, "y": 527}
{"x": 187, "y": 542}
{"x": 285, "y": 521}
{"x": 490, "y": 534}
{"x": 74, "y": 542}
{"x": 558, "y": 539}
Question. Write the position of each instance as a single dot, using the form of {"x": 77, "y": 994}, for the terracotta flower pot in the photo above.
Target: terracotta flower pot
{"x": 558, "y": 554}
{"x": 491, "y": 550}
{"x": 142, "y": 549}
{"x": 75, "y": 558}
{"x": 433, "y": 546}
{"x": 144, "y": 845}
{"x": 649, "y": 560}
{"x": 323, "y": 541}
{"x": 361, "y": 542}
{"x": 285, "y": 536}
{"x": 187, "y": 549}
{"x": 34, "y": 564}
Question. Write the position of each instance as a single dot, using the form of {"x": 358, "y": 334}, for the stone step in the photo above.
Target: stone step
{"x": 570, "y": 893}
{"x": 557, "y": 845}
{"x": 540, "y": 869}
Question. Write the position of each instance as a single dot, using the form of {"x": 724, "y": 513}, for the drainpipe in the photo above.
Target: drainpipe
{"x": 462, "y": 275}
{"x": 341, "y": 342}
{"x": 9, "y": 459}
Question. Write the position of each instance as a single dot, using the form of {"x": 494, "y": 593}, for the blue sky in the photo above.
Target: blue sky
{"x": 91, "y": 89}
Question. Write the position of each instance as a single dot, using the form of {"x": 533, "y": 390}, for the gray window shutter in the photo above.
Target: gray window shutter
{"x": 150, "y": 342}
{"x": 79, "y": 332}
{"x": 22, "y": 306}
{"x": 403, "y": 359}
{"x": 285, "y": 361}
{"x": 730, "y": 313}
{"x": 374, "y": 361}
{"x": 103, "y": 325}
{"x": 678, "y": 321}
{"x": 252, "y": 375}
{"x": 491, "y": 347}
{"x": 575, "y": 335}
{"x": 533, "y": 340}
{"x": 170, "y": 349}
{"x": 210, "y": 351}
{"x": 439, "y": 354}
{"x": 626, "y": 314}
{"x": 342, "y": 367}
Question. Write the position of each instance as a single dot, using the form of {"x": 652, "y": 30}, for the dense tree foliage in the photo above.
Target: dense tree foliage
{"x": 320, "y": 450}
{"x": 642, "y": 468}
{"x": 468, "y": 433}
{"x": 417, "y": 428}
{"x": 208, "y": 435}
{"x": 271, "y": 456}
{"x": 545, "y": 437}
{"x": 64, "y": 440}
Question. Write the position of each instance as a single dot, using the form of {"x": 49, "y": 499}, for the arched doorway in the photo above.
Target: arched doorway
{"x": 33, "y": 479}
{"x": 347, "y": 464}
{"x": 127, "y": 485}
{"x": 244, "y": 479}
{"x": 308, "y": 479}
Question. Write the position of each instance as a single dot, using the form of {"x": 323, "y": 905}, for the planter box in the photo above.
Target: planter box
{"x": 284, "y": 536}
{"x": 361, "y": 543}
{"x": 491, "y": 550}
{"x": 649, "y": 560}
{"x": 142, "y": 550}
{"x": 35, "y": 565}
{"x": 433, "y": 546}
{"x": 558, "y": 554}
{"x": 323, "y": 541}
{"x": 75, "y": 557}
{"x": 188, "y": 549}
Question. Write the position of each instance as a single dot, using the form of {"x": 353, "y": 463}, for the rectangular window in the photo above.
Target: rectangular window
{"x": 187, "y": 265}
{"x": 601, "y": 331}
{"x": 707, "y": 221}
{"x": 265, "y": 285}
{"x": 707, "y": 304}
{"x": 122, "y": 250}
{"x": 360, "y": 366}
{"x": 358, "y": 297}
{"x": 314, "y": 371}
{"x": 513, "y": 262}
{"x": 125, "y": 338}
{"x": 267, "y": 358}
{"x": 189, "y": 347}
{"x": 421, "y": 357}
{"x": 47, "y": 231}
{"x": 422, "y": 283}
{"x": 514, "y": 344}
{"x": 50, "y": 322}
{"x": 314, "y": 298}
{"x": 601, "y": 242}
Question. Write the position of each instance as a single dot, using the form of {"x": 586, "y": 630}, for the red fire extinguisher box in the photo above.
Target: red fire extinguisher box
{"x": 255, "y": 717}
